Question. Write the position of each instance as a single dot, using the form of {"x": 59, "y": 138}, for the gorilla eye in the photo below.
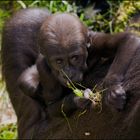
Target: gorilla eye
{"x": 59, "y": 61}
{"x": 74, "y": 58}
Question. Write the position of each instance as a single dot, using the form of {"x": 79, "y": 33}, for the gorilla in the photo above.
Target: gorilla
{"x": 37, "y": 46}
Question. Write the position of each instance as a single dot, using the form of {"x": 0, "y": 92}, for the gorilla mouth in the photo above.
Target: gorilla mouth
{"x": 65, "y": 78}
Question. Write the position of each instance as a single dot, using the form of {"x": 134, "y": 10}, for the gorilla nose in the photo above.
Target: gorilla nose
{"x": 76, "y": 78}
{"x": 69, "y": 76}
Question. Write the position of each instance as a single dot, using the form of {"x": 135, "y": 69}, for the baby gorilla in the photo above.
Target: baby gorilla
{"x": 62, "y": 42}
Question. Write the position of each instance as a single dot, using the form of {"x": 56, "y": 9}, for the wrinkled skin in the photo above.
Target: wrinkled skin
{"x": 38, "y": 100}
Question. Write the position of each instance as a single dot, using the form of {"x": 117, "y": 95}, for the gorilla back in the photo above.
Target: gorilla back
{"x": 19, "y": 51}
{"x": 19, "y": 43}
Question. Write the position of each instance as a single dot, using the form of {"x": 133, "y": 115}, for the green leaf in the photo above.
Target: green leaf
{"x": 78, "y": 92}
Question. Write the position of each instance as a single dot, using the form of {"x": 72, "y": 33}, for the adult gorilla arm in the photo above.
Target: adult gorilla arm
{"x": 121, "y": 45}
{"x": 122, "y": 48}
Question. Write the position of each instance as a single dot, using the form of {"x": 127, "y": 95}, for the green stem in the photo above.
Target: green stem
{"x": 65, "y": 116}
{"x": 68, "y": 79}
{"x": 81, "y": 85}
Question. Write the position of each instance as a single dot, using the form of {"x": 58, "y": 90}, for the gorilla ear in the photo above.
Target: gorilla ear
{"x": 90, "y": 38}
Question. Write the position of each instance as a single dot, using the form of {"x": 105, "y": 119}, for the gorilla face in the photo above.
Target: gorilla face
{"x": 62, "y": 41}
{"x": 71, "y": 61}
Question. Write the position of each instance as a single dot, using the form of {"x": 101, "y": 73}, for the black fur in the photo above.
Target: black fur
{"x": 122, "y": 53}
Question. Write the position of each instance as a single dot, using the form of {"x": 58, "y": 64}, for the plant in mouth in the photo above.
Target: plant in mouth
{"x": 93, "y": 95}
